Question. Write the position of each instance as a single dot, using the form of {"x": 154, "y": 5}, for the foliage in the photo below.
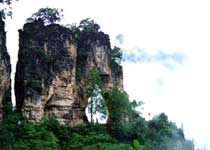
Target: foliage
{"x": 93, "y": 81}
{"x": 118, "y": 105}
{"x": 6, "y": 138}
{"x": 4, "y": 12}
{"x": 75, "y": 30}
{"x": 95, "y": 93}
{"x": 116, "y": 56}
{"x": 108, "y": 146}
{"x": 89, "y": 25}
{"x": 94, "y": 137}
{"x": 16, "y": 133}
{"x": 164, "y": 135}
{"x": 137, "y": 145}
{"x": 48, "y": 15}
{"x": 119, "y": 109}
{"x": 61, "y": 132}
{"x": 35, "y": 137}
{"x": 127, "y": 125}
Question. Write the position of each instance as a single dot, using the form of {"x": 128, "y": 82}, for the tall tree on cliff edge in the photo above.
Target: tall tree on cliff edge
{"x": 94, "y": 92}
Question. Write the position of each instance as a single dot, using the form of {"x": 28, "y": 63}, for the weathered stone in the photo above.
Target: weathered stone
{"x": 52, "y": 68}
{"x": 5, "y": 70}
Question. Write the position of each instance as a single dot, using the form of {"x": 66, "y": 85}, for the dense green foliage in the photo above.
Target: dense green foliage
{"x": 16, "y": 133}
{"x": 48, "y": 15}
{"x": 121, "y": 113}
{"x": 125, "y": 130}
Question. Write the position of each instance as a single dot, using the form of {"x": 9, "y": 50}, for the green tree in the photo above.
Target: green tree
{"x": 75, "y": 30}
{"x": 48, "y": 15}
{"x": 161, "y": 134}
{"x": 119, "y": 107}
{"x": 88, "y": 25}
{"x": 6, "y": 138}
{"x": 134, "y": 114}
{"x": 94, "y": 91}
{"x": 61, "y": 132}
{"x": 116, "y": 56}
{"x": 35, "y": 137}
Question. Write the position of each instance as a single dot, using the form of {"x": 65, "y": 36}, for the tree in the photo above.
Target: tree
{"x": 118, "y": 106}
{"x": 48, "y": 15}
{"x": 36, "y": 137}
{"x": 116, "y": 56}
{"x": 6, "y": 138}
{"x": 134, "y": 114}
{"x": 95, "y": 93}
{"x": 89, "y": 25}
{"x": 75, "y": 30}
{"x": 161, "y": 134}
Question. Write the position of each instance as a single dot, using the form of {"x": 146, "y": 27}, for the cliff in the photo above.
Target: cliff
{"x": 52, "y": 67}
{"x": 5, "y": 70}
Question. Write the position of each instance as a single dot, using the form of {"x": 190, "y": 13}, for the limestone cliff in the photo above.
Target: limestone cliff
{"x": 5, "y": 70}
{"x": 52, "y": 67}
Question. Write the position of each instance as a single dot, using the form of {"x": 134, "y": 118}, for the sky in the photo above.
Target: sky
{"x": 166, "y": 46}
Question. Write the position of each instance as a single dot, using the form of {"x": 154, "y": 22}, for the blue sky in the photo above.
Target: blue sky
{"x": 165, "y": 43}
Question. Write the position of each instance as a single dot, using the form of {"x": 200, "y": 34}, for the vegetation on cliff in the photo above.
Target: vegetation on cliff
{"x": 48, "y": 15}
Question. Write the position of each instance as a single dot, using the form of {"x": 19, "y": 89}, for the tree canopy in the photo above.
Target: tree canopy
{"x": 48, "y": 15}
{"x": 89, "y": 25}
{"x": 116, "y": 55}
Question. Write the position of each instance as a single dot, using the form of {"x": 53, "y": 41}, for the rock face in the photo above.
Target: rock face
{"x": 5, "y": 70}
{"x": 52, "y": 68}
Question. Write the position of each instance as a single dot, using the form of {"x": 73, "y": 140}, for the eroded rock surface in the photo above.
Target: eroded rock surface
{"x": 5, "y": 70}
{"x": 52, "y": 68}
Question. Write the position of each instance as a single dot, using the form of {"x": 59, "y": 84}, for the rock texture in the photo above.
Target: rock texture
{"x": 52, "y": 68}
{"x": 5, "y": 70}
